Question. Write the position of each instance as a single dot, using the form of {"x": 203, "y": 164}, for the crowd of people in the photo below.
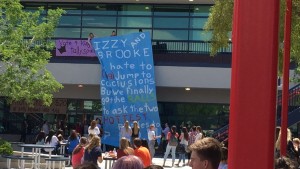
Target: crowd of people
{"x": 134, "y": 152}
{"x": 87, "y": 150}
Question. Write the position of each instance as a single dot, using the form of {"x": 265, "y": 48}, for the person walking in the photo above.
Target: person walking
{"x": 184, "y": 138}
{"x": 172, "y": 138}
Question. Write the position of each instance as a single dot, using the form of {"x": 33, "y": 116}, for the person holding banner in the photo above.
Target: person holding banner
{"x": 151, "y": 140}
{"x": 126, "y": 131}
{"x": 135, "y": 131}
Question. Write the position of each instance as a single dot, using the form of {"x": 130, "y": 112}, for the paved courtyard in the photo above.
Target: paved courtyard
{"x": 157, "y": 161}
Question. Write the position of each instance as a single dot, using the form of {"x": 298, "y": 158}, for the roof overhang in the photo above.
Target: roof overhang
{"x": 131, "y": 1}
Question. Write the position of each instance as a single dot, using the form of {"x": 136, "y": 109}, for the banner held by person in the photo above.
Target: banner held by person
{"x": 127, "y": 84}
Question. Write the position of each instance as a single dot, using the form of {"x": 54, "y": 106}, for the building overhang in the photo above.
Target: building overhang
{"x": 131, "y": 1}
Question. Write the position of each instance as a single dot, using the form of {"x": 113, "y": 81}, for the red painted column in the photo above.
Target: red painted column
{"x": 286, "y": 76}
{"x": 253, "y": 84}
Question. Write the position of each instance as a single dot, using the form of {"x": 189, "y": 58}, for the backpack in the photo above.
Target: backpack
{"x": 173, "y": 140}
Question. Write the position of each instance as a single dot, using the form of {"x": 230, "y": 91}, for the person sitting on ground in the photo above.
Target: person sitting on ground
{"x": 206, "y": 154}
{"x": 93, "y": 152}
{"x": 78, "y": 152}
{"x": 128, "y": 162}
{"x": 124, "y": 148}
{"x": 142, "y": 152}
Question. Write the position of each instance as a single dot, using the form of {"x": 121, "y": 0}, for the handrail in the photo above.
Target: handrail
{"x": 294, "y": 107}
{"x": 171, "y": 46}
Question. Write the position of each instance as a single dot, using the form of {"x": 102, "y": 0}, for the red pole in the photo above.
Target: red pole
{"x": 286, "y": 71}
{"x": 253, "y": 84}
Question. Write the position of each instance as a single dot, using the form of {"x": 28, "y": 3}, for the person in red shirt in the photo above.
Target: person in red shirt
{"x": 172, "y": 138}
{"x": 142, "y": 152}
{"x": 78, "y": 152}
{"x": 124, "y": 148}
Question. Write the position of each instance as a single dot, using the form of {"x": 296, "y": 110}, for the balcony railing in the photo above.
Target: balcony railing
{"x": 168, "y": 46}
{"x": 202, "y": 47}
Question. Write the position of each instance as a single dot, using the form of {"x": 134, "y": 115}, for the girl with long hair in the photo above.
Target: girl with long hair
{"x": 124, "y": 148}
{"x": 52, "y": 140}
{"x": 135, "y": 131}
{"x": 78, "y": 152}
{"x": 93, "y": 152}
{"x": 172, "y": 138}
{"x": 126, "y": 131}
{"x": 184, "y": 138}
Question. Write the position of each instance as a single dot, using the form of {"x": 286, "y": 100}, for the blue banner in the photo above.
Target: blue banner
{"x": 127, "y": 84}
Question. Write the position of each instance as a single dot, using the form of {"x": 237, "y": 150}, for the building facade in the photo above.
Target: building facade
{"x": 181, "y": 57}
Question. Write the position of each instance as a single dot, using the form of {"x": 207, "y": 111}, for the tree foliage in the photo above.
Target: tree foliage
{"x": 25, "y": 51}
{"x": 220, "y": 23}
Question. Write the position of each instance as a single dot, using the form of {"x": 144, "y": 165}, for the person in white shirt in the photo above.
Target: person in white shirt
{"x": 151, "y": 140}
{"x": 45, "y": 127}
{"x": 52, "y": 140}
{"x": 126, "y": 131}
{"x": 93, "y": 129}
{"x": 199, "y": 135}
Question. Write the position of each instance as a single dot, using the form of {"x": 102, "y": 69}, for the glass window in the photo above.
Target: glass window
{"x": 127, "y": 31}
{"x": 134, "y": 22}
{"x": 200, "y": 10}
{"x": 98, "y": 32}
{"x": 97, "y": 21}
{"x": 69, "y": 8}
{"x": 135, "y": 10}
{"x": 170, "y": 34}
{"x": 171, "y": 10}
{"x": 67, "y": 32}
{"x": 170, "y": 22}
{"x": 32, "y": 7}
{"x": 72, "y": 105}
{"x": 92, "y": 105}
{"x": 70, "y": 21}
{"x": 100, "y": 9}
{"x": 198, "y": 22}
{"x": 200, "y": 35}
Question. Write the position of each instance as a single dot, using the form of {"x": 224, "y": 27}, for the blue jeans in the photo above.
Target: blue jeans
{"x": 182, "y": 155}
{"x": 168, "y": 152}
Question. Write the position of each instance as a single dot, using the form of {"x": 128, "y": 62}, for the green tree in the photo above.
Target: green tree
{"x": 220, "y": 24}
{"x": 25, "y": 51}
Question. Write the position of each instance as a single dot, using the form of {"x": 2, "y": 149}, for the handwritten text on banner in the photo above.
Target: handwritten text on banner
{"x": 128, "y": 84}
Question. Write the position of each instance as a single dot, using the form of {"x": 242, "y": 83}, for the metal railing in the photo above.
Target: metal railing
{"x": 202, "y": 47}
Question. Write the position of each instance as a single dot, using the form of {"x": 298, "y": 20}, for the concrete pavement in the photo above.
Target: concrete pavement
{"x": 156, "y": 161}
